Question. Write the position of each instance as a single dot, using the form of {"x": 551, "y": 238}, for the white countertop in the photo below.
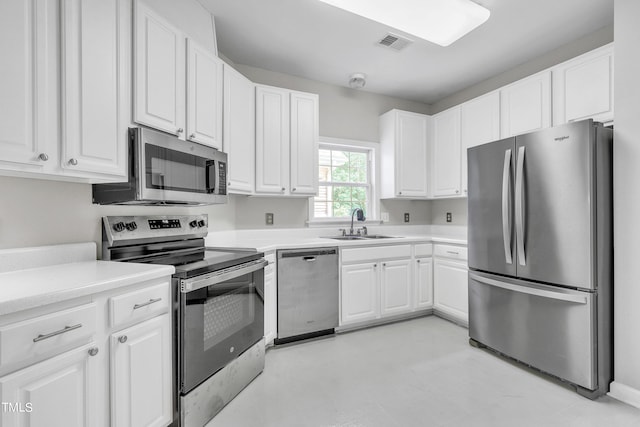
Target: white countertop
{"x": 40, "y": 283}
{"x": 268, "y": 240}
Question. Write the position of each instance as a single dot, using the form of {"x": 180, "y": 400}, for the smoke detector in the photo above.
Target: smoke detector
{"x": 357, "y": 80}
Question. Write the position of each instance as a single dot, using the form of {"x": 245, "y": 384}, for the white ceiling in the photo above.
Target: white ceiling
{"x": 311, "y": 39}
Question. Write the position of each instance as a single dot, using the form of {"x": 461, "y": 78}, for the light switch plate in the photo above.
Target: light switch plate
{"x": 449, "y": 219}
{"x": 268, "y": 218}
{"x": 406, "y": 217}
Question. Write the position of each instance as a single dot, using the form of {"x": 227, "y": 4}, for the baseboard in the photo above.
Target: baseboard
{"x": 624, "y": 393}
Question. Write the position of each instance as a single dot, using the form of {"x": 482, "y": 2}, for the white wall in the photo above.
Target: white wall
{"x": 627, "y": 203}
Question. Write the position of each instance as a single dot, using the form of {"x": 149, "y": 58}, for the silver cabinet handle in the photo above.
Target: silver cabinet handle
{"x": 506, "y": 215}
{"x": 43, "y": 157}
{"x": 457, "y": 191}
{"x": 400, "y": 193}
{"x": 375, "y": 265}
{"x": 73, "y": 162}
{"x": 453, "y": 253}
{"x": 144, "y": 304}
{"x": 384, "y": 264}
{"x": 293, "y": 189}
{"x": 180, "y": 130}
{"x": 192, "y": 136}
{"x": 520, "y": 207}
{"x": 418, "y": 261}
{"x": 122, "y": 339}
{"x": 53, "y": 334}
{"x": 282, "y": 189}
{"x": 93, "y": 351}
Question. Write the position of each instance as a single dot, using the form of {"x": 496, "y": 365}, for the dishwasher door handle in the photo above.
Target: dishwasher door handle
{"x": 309, "y": 258}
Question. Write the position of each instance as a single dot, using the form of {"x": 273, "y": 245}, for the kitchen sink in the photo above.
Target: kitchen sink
{"x": 361, "y": 237}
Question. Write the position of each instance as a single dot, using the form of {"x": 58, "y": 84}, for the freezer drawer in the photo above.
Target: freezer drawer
{"x": 551, "y": 329}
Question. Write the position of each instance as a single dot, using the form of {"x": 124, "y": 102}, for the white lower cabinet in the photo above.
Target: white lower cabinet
{"x": 450, "y": 289}
{"x": 359, "y": 293}
{"x": 270, "y": 301}
{"x": 100, "y": 360}
{"x": 423, "y": 273}
{"x": 58, "y": 392}
{"x": 141, "y": 374}
{"x": 395, "y": 288}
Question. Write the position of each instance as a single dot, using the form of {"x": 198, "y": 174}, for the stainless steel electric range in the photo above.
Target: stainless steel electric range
{"x": 218, "y": 307}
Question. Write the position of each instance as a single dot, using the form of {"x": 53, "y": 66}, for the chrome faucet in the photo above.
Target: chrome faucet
{"x": 360, "y": 217}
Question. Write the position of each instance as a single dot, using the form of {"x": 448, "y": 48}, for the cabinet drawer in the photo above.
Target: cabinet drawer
{"x": 139, "y": 304}
{"x": 449, "y": 251}
{"x": 375, "y": 253}
{"x": 423, "y": 249}
{"x": 47, "y": 335}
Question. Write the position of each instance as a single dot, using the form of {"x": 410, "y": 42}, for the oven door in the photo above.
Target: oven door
{"x": 221, "y": 316}
{"x": 178, "y": 171}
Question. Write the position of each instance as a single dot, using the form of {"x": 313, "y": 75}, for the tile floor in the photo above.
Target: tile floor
{"x": 420, "y": 372}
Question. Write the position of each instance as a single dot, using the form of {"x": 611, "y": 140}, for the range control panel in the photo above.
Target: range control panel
{"x": 121, "y": 229}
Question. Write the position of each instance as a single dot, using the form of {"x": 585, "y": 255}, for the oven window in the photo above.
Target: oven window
{"x": 174, "y": 170}
{"x": 227, "y": 313}
{"x": 218, "y": 323}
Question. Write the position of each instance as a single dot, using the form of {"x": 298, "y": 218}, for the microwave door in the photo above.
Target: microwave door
{"x": 210, "y": 174}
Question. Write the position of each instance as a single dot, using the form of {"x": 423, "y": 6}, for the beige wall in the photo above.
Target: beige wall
{"x": 626, "y": 199}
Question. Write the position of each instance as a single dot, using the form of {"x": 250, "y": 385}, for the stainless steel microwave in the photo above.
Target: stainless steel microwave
{"x": 164, "y": 170}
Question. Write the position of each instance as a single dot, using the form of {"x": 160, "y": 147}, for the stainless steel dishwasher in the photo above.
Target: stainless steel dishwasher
{"x": 307, "y": 293}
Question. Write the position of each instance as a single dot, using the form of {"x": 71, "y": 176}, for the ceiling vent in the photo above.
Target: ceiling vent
{"x": 394, "y": 41}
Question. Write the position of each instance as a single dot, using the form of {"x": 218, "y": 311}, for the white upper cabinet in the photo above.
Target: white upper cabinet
{"x": 404, "y": 154}
{"x": 28, "y": 87}
{"x": 272, "y": 140}
{"x": 239, "y": 136}
{"x": 304, "y": 143}
{"x": 159, "y": 72}
{"x": 287, "y": 134}
{"x": 96, "y": 107}
{"x": 526, "y": 105}
{"x": 479, "y": 124}
{"x": 204, "y": 95}
{"x": 446, "y": 153}
{"x": 583, "y": 87}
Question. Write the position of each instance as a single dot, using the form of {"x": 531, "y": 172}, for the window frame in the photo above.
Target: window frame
{"x": 372, "y": 151}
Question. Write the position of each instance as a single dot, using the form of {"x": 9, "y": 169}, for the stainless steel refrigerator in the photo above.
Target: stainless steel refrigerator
{"x": 540, "y": 251}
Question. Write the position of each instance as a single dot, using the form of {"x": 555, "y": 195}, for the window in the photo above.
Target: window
{"x": 344, "y": 181}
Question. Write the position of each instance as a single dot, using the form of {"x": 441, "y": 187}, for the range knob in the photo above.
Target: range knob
{"x": 119, "y": 226}
{"x": 193, "y": 224}
{"x": 201, "y": 223}
{"x": 132, "y": 226}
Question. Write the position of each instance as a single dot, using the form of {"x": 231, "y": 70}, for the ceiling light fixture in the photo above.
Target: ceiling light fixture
{"x": 438, "y": 21}
{"x": 357, "y": 80}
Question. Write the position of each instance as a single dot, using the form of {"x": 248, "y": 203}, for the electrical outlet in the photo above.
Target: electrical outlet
{"x": 385, "y": 216}
{"x": 406, "y": 217}
{"x": 268, "y": 218}
{"x": 448, "y": 216}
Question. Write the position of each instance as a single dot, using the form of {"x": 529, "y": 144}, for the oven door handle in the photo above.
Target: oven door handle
{"x": 199, "y": 282}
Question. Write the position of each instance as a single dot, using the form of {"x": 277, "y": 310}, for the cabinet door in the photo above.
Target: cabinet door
{"x": 446, "y": 153}
{"x": 94, "y": 91}
{"x": 239, "y": 131}
{"x": 411, "y": 155}
{"x": 479, "y": 124}
{"x": 204, "y": 96}
{"x": 141, "y": 374}
{"x": 304, "y": 144}
{"x": 29, "y": 83}
{"x": 272, "y": 140}
{"x": 359, "y": 293}
{"x": 395, "y": 287}
{"x": 159, "y": 72}
{"x": 270, "y": 305}
{"x": 424, "y": 283}
{"x": 525, "y": 106}
{"x": 59, "y": 392}
{"x": 583, "y": 87}
{"x": 450, "y": 294}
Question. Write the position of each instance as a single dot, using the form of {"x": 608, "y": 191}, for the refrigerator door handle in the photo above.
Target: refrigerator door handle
{"x": 578, "y": 299}
{"x": 506, "y": 217}
{"x": 520, "y": 207}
